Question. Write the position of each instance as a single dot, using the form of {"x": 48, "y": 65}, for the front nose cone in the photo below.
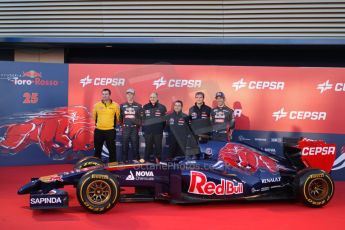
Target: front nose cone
{"x": 29, "y": 187}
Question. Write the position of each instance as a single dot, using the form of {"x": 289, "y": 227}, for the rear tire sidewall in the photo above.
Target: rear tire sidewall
{"x": 309, "y": 176}
{"x": 91, "y": 177}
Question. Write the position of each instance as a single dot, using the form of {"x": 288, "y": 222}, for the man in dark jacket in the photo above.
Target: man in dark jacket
{"x": 153, "y": 126}
{"x": 181, "y": 139}
{"x": 222, "y": 118}
{"x": 199, "y": 115}
{"x": 130, "y": 116}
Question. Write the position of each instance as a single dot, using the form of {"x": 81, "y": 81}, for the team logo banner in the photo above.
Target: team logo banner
{"x": 34, "y": 102}
{"x": 264, "y": 98}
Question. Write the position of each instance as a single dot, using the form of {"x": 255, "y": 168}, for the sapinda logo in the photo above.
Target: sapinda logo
{"x": 177, "y": 83}
{"x": 338, "y": 87}
{"x": 199, "y": 185}
{"x": 102, "y": 81}
{"x": 46, "y": 200}
{"x": 258, "y": 85}
{"x": 299, "y": 115}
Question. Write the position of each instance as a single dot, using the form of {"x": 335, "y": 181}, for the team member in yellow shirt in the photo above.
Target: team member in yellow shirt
{"x": 106, "y": 114}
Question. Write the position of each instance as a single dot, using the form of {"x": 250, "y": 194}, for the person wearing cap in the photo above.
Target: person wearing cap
{"x": 199, "y": 115}
{"x": 106, "y": 115}
{"x": 153, "y": 126}
{"x": 130, "y": 117}
{"x": 222, "y": 118}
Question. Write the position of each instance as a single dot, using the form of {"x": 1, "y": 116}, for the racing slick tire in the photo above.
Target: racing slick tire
{"x": 314, "y": 187}
{"x": 98, "y": 191}
{"x": 88, "y": 162}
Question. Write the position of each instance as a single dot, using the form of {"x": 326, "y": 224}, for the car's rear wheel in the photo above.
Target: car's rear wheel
{"x": 314, "y": 187}
{"x": 88, "y": 162}
{"x": 98, "y": 191}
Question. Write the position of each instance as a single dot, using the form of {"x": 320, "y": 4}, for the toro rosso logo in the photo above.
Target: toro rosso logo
{"x": 258, "y": 85}
{"x": 199, "y": 185}
{"x": 177, "y": 83}
{"x": 32, "y": 77}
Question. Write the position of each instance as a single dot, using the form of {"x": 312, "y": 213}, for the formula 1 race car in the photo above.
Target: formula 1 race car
{"x": 221, "y": 172}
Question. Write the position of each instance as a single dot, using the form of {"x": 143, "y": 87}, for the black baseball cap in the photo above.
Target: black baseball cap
{"x": 220, "y": 94}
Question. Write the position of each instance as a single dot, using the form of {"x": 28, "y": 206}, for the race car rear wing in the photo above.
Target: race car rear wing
{"x": 306, "y": 153}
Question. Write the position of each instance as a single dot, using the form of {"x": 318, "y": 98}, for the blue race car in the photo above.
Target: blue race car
{"x": 222, "y": 171}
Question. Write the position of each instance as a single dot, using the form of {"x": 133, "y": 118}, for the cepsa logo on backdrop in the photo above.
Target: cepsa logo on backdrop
{"x": 264, "y": 98}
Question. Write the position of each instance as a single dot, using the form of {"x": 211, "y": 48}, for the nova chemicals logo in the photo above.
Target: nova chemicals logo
{"x": 338, "y": 87}
{"x": 258, "y": 85}
{"x": 140, "y": 175}
{"x": 299, "y": 115}
{"x": 102, "y": 81}
{"x": 177, "y": 83}
{"x": 130, "y": 176}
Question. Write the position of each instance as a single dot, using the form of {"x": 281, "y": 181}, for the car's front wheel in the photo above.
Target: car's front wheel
{"x": 98, "y": 191}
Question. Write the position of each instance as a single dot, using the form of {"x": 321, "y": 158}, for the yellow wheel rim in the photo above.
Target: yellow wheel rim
{"x": 98, "y": 192}
{"x": 318, "y": 189}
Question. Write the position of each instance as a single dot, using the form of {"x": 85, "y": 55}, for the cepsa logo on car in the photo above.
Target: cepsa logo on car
{"x": 315, "y": 151}
{"x": 46, "y": 200}
{"x": 299, "y": 115}
{"x": 102, "y": 81}
{"x": 258, "y": 85}
{"x": 32, "y": 77}
{"x": 177, "y": 83}
{"x": 199, "y": 185}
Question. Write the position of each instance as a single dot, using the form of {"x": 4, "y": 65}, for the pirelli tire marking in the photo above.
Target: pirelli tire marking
{"x": 98, "y": 208}
{"x": 326, "y": 191}
{"x": 87, "y": 162}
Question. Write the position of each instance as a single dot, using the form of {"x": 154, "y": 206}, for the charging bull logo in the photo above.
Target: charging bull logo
{"x": 237, "y": 156}
{"x": 32, "y": 74}
{"x": 56, "y": 132}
